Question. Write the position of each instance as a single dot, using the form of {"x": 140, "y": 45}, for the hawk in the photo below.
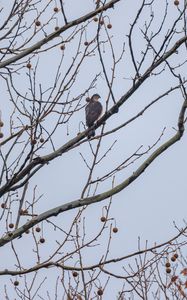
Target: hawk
{"x": 93, "y": 112}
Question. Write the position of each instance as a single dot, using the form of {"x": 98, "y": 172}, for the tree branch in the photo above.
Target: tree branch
{"x": 55, "y": 34}
{"x": 94, "y": 199}
{"x": 72, "y": 143}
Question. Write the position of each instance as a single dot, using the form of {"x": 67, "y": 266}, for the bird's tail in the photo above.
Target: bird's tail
{"x": 91, "y": 133}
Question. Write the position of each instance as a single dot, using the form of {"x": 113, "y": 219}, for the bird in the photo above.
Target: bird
{"x": 93, "y": 112}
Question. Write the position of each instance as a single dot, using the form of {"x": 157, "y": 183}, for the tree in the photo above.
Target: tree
{"x": 55, "y": 55}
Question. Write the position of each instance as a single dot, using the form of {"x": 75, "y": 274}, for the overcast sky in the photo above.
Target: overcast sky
{"x": 150, "y": 205}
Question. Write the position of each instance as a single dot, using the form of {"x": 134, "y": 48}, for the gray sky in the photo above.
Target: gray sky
{"x": 150, "y": 205}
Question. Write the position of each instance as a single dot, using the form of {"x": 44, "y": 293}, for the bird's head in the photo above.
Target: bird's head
{"x": 95, "y": 97}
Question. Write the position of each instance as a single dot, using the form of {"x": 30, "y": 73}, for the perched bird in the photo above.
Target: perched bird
{"x": 93, "y": 112}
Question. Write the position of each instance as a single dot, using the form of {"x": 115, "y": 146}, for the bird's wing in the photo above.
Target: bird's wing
{"x": 93, "y": 111}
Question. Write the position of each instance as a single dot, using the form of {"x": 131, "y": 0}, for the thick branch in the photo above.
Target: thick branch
{"x": 94, "y": 199}
{"x": 72, "y": 143}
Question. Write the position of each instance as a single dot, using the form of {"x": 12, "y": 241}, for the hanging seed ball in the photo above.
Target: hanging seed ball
{"x": 109, "y": 26}
{"x": 168, "y": 270}
{"x": 95, "y": 19}
{"x": 176, "y": 2}
{"x": 115, "y": 229}
{"x": 33, "y": 142}
{"x": 3, "y": 205}
{"x": 42, "y": 140}
{"x": 86, "y": 43}
{"x": 42, "y": 240}
{"x": 56, "y": 9}
{"x": 103, "y": 219}
{"x": 37, "y": 23}
{"x": 1, "y": 124}
{"x": 57, "y": 28}
{"x": 168, "y": 264}
{"x": 173, "y": 258}
{"x": 176, "y": 255}
{"x": 16, "y": 282}
{"x": 29, "y": 65}
{"x": 27, "y": 231}
{"x": 100, "y": 292}
{"x": 11, "y": 225}
{"x": 75, "y": 274}
{"x": 1, "y": 135}
{"x": 38, "y": 229}
{"x": 62, "y": 47}
{"x": 174, "y": 278}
